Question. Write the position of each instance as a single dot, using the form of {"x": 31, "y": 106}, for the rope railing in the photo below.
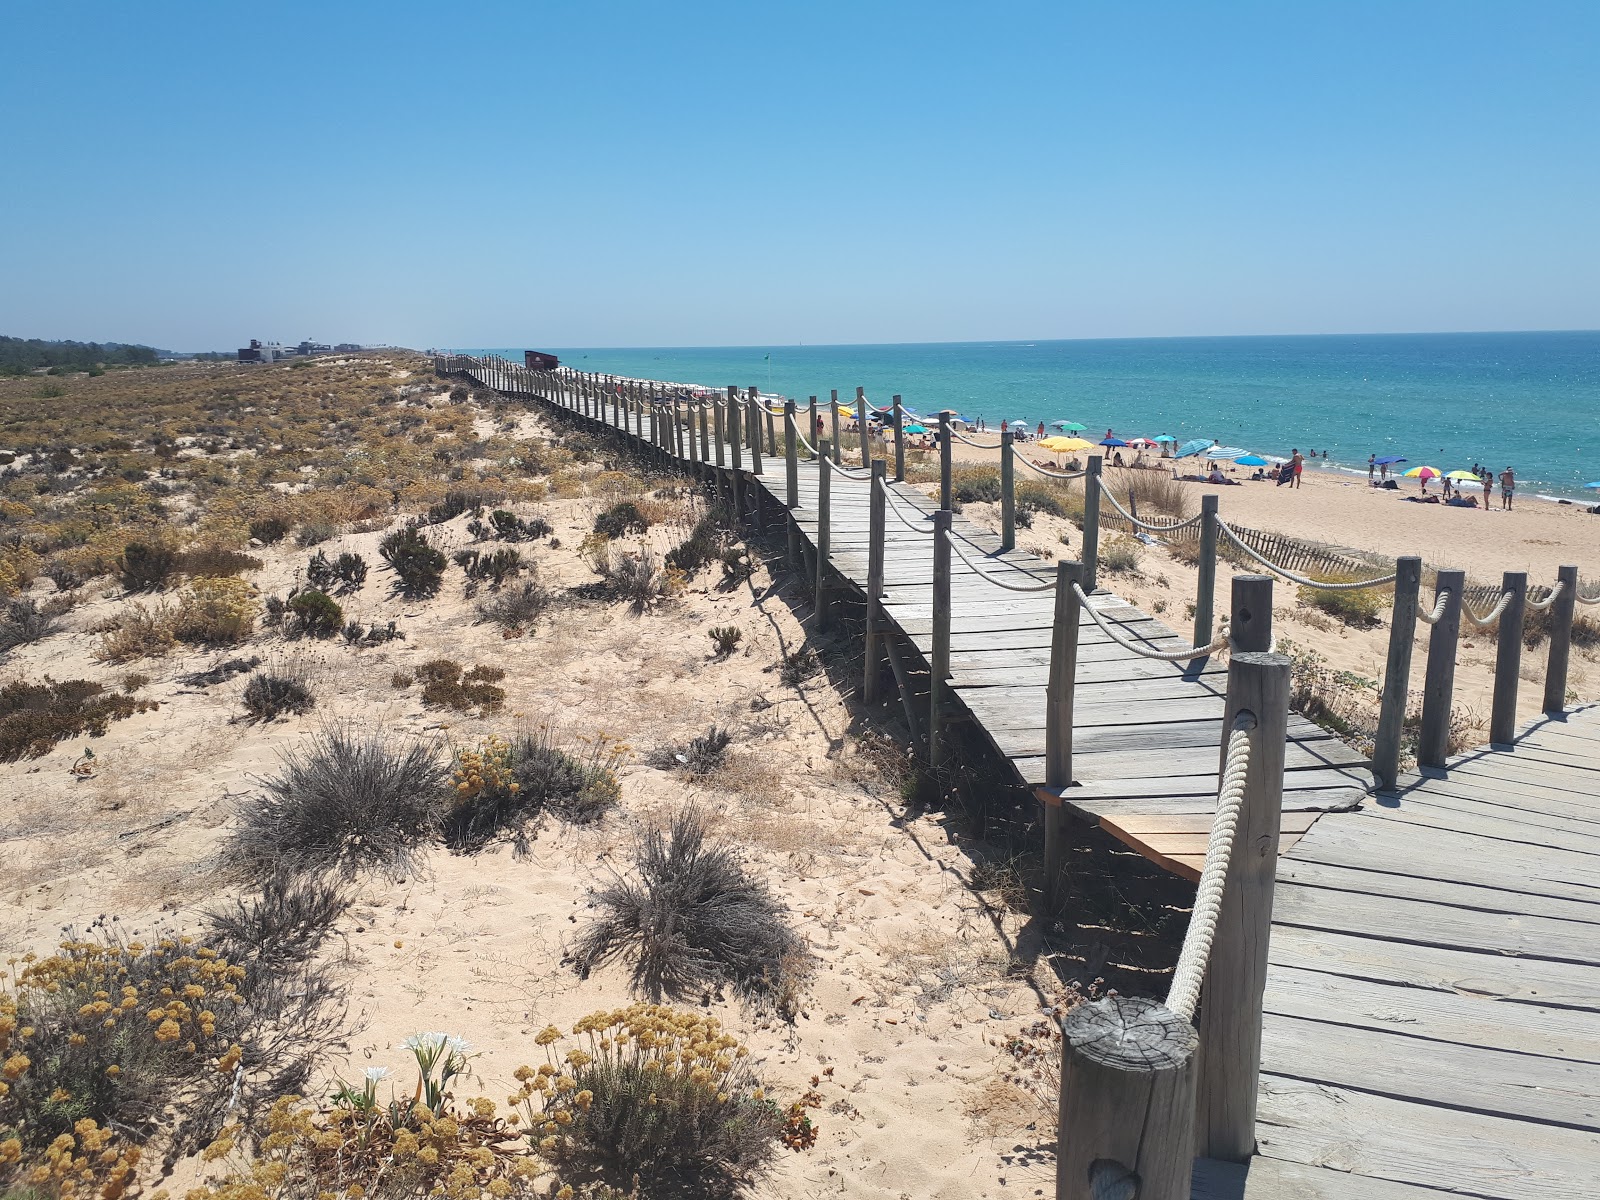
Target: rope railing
{"x": 1549, "y": 599}
{"x": 1047, "y": 473}
{"x": 1152, "y": 526}
{"x": 1183, "y": 997}
{"x": 961, "y": 437}
{"x": 1439, "y": 605}
{"x": 1183, "y": 654}
{"x": 1045, "y": 586}
{"x": 895, "y": 509}
{"x": 1303, "y": 581}
{"x": 1582, "y": 599}
{"x": 1491, "y": 616}
{"x": 847, "y": 472}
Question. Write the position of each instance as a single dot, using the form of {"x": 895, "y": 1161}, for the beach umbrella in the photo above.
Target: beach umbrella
{"x": 1193, "y": 446}
{"x": 1112, "y": 441}
{"x": 1592, "y": 485}
{"x": 1225, "y": 453}
{"x": 1066, "y": 445}
{"x": 1462, "y": 475}
{"x": 1142, "y": 443}
{"x": 1388, "y": 461}
{"x": 914, "y": 428}
{"x": 1070, "y": 426}
{"x": 1019, "y": 425}
{"x": 1422, "y": 473}
{"x": 1251, "y": 460}
{"x": 1164, "y": 437}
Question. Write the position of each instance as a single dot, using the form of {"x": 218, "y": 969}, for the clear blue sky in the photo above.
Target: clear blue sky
{"x": 190, "y": 175}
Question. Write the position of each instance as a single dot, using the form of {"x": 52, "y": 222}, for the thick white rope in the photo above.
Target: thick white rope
{"x": 1301, "y": 579}
{"x": 1218, "y": 643}
{"x": 961, "y": 437}
{"x": 1582, "y": 599}
{"x": 892, "y": 507}
{"x": 1184, "y": 995}
{"x": 1434, "y": 617}
{"x": 1493, "y": 614}
{"x": 1047, "y": 585}
{"x": 1033, "y": 466}
{"x": 857, "y": 473}
{"x": 1152, "y": 526}
{"x": 1550, "y": 598}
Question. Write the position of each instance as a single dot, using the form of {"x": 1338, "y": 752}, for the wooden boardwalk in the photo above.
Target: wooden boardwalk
{"x": 1432, "y": 1011}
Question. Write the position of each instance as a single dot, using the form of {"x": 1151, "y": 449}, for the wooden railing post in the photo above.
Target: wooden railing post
{"x": 736, "y": 448}
{"x": 1205, "y": 595}
{"x": 1397, "y": 672}
{"x": 719, "y": 431}
{"x": 833, "y": 422}
{"x": 1561, "y": 610}
{"x": 819, "y": 603}
{"x": 877, "y": 516}
{"x": 899, "y": 441}
{"x": 1127, "y": 1114}
{"x": 1508, "y": 660}
{"x": 1058, "y": 698}
{"x": 1250, "y": 613}
{"x": 813, "y": 436}
{"x": 1236, "y": 978}
{"x": 1438, "y": 688}
{"x": 791, "y": 457}
{"x": 861, "y": 426}
{"x": 939, "y": 663}
{"x": 1091, "y": 525}
{"x": 1008, "y": 491}
{"x": 946, "y": 489}
{"x": 752, "y": 406}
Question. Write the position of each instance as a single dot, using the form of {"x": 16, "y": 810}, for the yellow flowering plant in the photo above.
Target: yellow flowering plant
{"x": 650, "y": 1091}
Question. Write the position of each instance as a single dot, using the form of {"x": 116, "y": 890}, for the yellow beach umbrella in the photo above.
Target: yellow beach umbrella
{"x": 1065, "y": 445}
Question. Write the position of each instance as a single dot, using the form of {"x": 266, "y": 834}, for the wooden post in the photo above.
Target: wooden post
{"x": 833, "y": 421}
{"x": 1561, "y": 610}
{"x": 1059, "y": 692}
{"x": 720, "y": 433}
{"x": 1205, "y": 596}
{"x": 1091, "y": 525}
{"x": 791, "y": 457}
{"x": 946, "y": 489}
{"x": 1008, "y": 491}
{"x": 1236, "y": 977}
{"x": 705, "y": 440}
{"x": 939, "y": 664}
{"x": 1250, "y": 622}
{"x": 812, "y": 436}
{"x": 1438, "y": 686}
{"x": 877, "y": 517}
{"x": 1397, "y": 671}
{"x": 734, "y": 442}
{"x": 899, "y": 441}
{"x": 1127, "y": 1115}
{"x": 819, "y": 602}
{"x": 861, "y": 426}
{"x": 755, "y": 432}
{"x": 772, "y": 431}
{"x": 1508, "y": 661}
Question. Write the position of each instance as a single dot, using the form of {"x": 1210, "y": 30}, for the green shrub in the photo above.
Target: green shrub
{"x": 621, "y": 519}
{"x": 1362, "y": 608}
{"x": 270, "y": 694}
{"x": 35, "y": 716}
{"x": 268, "y": 530}
{"x": 316, "y": 614}
{"x": 725, "y": 639}
{"x": 417, "y": 563}
{"x": 216, "y": 560}
{"x": 973, "y": 485}
{"x": 336, "y": 575}
{"x": 700, "y": 547}
{"x": 444, "y": 684}
{"x": 1121, "y": 555}
{"x": 146, "y": 566}
{"x": 495, "y": 567}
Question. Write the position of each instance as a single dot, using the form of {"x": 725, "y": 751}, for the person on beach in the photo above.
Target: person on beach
{"x": 1299, "y": 464}
{"x": 1447, "y": 489}
{"x": 1488, "y": 488}
{"x": 1040, "y": 433}
{"x": 1508, "y": 485}
{"x": 1372, "y": 467}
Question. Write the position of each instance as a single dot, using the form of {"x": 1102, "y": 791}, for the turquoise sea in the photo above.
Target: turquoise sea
{"x": 1529, "y": 400}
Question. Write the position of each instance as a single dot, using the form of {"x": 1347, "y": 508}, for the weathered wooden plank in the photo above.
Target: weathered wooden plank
{"x": 1448, "y": 1149}
{"x": 1490, "y": 828}
{"x": 1276, "y": 1179}
{"x": 1532, "y": 1029}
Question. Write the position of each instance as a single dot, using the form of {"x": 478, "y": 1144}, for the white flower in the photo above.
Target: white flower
{"x": 429, "y": 1042}
{"x": 377, "y": 1074}
{"x": 458, "y": 1045}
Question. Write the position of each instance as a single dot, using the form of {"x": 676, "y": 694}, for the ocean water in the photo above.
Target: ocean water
{"x": 1527, "y": 400}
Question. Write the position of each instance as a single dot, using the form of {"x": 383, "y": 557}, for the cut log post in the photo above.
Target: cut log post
{"x": 939, "y": 663}
{"x": 1059, "y": 692}
{"x": 819, "y": 604}
{"x": 946, "y": 487}
{"x": 1126, "y": 1123}
{"x": 833, "y": 423}
{"x": 1205, "y": 595}
{"x": 899, "y": 441}
{"x": 1438, "y": 688}
{"x": 1008, "y": 491}
{"x": 1091, "y": 525}
{"x": 1250, "y": 619}
{"x": 1236, "y": 977}
{"x": 861, "y": 426}
{"x": 1397, "y": 672}
{"x": 1561, "y": 610}
{"x": 877, "y": 517}
{"x": 1508, "y": 660}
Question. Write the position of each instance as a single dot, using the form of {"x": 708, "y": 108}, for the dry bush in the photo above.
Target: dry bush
{"x": 640, "y": 577}
{"x": 691, "y": 919}
{"x": 284, "y": 922}
{"x": 35, "y": 716}
{"x": 446, "y": 685}
{"x": 517, "y": 608}
{"x": 270, "y": 694}
{"x": 1362, "y": 608}
{"x": 1121, "y": 555}
{"x": 24, "y": 622}
{"x": 1155, "y": 493}
{"x": 216, "y": 560}
{"x": 343, "y": 801}
{"x": 146, "y": 566}
{"x": 700, "y": 755}
{"x": 215, "y": 611}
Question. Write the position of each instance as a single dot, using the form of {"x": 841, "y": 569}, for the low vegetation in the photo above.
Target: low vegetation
{"x": 35, "y": 716}
{"x": 418, "y": 564}
{"x": 272, "y": 694}
{"x": 1361, "y": 608}
{"x": 446, "y": 685}
{"x": 501, "y": 787}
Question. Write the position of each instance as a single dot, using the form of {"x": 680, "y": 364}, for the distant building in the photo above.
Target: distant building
{"x": 346, "y": 348}
{"x": 265, "y": 352}
{"x": 536, "y": 360}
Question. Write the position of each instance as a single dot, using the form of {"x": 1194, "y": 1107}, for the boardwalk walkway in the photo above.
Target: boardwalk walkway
{"x": 1432, "y": 1010}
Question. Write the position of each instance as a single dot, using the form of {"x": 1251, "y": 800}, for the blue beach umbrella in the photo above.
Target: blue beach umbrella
{"x": 915, "y": 428}
{"x": 1112, "y": 441}
{"x": 1388, "y": 460}
{"x": 1592, "y": 485}
{"x": 1164, "y": 437}
{"x": 1251, "y": 460}
{"x": 1193, "y": 446}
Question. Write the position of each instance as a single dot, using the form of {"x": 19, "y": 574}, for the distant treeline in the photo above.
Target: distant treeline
{"x": 19, "y": 356}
